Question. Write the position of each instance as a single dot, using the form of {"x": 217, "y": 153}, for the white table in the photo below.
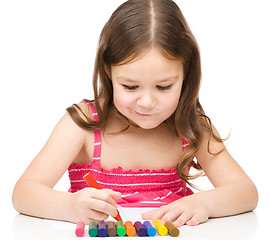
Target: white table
{"x": 243, "y": 226}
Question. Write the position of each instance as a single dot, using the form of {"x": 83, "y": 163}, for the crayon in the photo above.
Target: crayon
{"x": 173, "y": 231}
{"x": 111, "y": 230}
{"x": 161, "y": 229}
{"x": 150, "y": 230}
{"x": 80, "y": 229}
{"x": 120, "y": 228}
{"x": 102, "y": 231}
{"x": 130, "y": 229}
{"x": 93, "y": 229}
{"x": 89, "y": 179}
{"x": 140, "y": 229}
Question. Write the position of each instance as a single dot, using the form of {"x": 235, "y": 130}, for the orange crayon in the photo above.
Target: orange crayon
{"x": 130, "y": 229}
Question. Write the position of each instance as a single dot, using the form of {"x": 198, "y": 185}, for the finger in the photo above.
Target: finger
{"x": 113, "y": 194}
{"x": 171, "y": 215}
{"x": 155, "y": 214}
{"x": 195, "y": 220}
{"x": 96, "y": 216}
{"x": 103, "y": 195}
{"x": 91, "y": 214}
{"x": 147, "y": 215}
{"x": 103, "y": 206}
{"x": 182, "y": 219}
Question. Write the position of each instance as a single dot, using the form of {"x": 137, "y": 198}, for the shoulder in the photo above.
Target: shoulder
{"x": 69, "y": 132}
{"x": 211, "y": 142}
{"x": 217, "y": 163}
{"x": 62, "y": 147}
{"x": 85, "y": 109}
{"x": 83, "y": 114}
{"x": 67, "y": 126}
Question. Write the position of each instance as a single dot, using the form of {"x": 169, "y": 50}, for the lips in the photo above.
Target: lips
{"x": 144, "y": 114}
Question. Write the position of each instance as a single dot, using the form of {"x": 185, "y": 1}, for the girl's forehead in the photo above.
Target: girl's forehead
{"x": 149, "y": 62}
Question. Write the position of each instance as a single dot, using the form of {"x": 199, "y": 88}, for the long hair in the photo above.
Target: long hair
{"x": 135, "y": 26}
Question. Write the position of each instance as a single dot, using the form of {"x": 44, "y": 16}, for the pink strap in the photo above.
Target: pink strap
{"x": 97, "y": 133}
{"x": 97, "y": 145}
{"x": 93, "y": 110}
{"x": 185, "y": 143}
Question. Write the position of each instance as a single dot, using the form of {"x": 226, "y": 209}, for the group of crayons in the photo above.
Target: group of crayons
{"x": 112, "y": 229}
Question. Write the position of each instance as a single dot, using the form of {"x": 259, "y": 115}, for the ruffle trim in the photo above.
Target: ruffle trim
{"x": 118, "y": 170}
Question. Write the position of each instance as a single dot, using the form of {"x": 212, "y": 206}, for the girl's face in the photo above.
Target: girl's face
{"x": 147, "y": 90}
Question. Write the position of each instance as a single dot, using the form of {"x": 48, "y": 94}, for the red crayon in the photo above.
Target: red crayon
{"x": 80, "y": 229}
{"x": 92, "y": 183}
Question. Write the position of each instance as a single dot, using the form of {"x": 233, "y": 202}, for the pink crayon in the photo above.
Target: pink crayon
{"x": 80, "y": 229}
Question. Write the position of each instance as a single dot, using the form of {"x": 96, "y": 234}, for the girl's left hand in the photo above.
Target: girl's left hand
{"x": 188, "y": 210}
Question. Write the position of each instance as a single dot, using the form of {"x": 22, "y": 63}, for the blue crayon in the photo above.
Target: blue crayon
{"x": 140, "y": 229}
{"x": 150, "y": 230}
{"x": 102, "y": 231}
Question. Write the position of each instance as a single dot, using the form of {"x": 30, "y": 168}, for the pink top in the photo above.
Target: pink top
{"x": 140, "y": 188}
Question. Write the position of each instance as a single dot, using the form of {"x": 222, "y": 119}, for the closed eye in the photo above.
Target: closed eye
{"x": 129, "y": 87}
{"x": 164, "y": 87}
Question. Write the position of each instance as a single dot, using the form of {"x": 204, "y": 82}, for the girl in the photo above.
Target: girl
{"x": 141, "y": 133}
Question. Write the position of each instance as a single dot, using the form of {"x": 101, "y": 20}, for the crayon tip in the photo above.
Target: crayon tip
{"x": 118, "y": 217}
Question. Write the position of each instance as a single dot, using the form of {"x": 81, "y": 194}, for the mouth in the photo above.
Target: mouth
{"x": 144, "y": 114}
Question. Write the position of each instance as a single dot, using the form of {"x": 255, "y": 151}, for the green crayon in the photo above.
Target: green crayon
{"x": 121, "y": 231}
{"x": 93, "y": 229}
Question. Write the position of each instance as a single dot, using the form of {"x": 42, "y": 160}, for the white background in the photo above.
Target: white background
{"x": 47, "y": 52}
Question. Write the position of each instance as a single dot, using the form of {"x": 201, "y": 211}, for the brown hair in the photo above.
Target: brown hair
{"x": 135, "y": 26}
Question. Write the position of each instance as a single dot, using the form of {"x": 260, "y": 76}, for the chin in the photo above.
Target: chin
{"x": 148, "y": 125}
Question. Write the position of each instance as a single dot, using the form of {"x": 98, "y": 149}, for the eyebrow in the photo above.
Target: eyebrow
{"x": 136, "y": 81}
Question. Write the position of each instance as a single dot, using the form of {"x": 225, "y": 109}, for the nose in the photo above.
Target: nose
{"x": 146, "y": 100}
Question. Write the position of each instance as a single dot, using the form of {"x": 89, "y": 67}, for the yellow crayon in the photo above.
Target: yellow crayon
{"x": 161, "y": 229}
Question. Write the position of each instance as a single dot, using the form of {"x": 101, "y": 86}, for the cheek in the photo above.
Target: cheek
{"x": 121, "y": 99}
{"x": 170, "y": 103}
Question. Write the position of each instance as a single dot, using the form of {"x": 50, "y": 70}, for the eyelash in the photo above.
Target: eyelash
{"x": 163, "y": 88}
{"x": 130, "y": 87}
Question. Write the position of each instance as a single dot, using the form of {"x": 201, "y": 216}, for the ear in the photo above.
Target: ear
{"x": 107, "y": 70}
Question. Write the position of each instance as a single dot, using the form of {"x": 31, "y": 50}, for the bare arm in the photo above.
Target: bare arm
{"x": 234, "y": 191}
{"x": 34, "y": 195}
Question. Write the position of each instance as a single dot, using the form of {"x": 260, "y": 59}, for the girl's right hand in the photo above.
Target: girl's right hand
{"x": 90, "y": 204}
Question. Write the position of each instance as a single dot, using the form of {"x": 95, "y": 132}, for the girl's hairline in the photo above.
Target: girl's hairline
{"x": 136, "y": 55}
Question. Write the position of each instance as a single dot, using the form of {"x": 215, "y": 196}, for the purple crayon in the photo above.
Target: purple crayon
{"x": 140, "y": 229}
{"x": 102, "y": 231}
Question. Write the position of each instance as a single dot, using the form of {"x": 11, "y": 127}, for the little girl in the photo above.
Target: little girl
{"x": 140, "y": 134}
